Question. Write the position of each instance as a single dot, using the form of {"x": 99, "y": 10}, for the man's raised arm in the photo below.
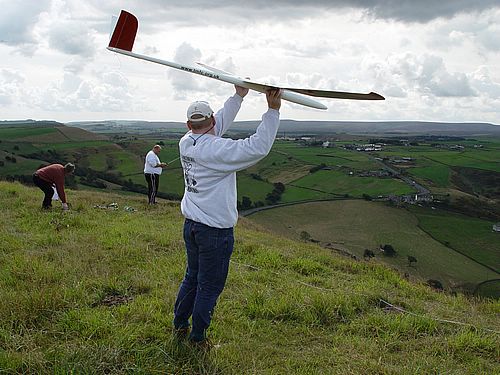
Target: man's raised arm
{"x": 225, "y": 116}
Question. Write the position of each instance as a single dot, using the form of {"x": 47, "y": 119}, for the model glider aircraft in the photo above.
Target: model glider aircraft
{"x": 122, "y": 41}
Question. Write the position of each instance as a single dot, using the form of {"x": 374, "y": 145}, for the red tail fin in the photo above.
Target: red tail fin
{"x": 124, "y": 34}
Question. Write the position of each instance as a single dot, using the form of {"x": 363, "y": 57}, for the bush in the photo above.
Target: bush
{"x": 435, "y": 284}
{"x": 317, "y": 168}
{"x": 279, "y": 187}
{"x": 368, "y": 254}
{"x": 305, "y": 236}
{"x": 274, "y": 196}
{"x": 389, "y": 250}
{"x": 245, "y": 204}
{"x": 411, "y": 259}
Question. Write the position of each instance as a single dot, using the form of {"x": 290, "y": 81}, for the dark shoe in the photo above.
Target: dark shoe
{"x": 203, "y": 345}
{"x": 181, "y": 333}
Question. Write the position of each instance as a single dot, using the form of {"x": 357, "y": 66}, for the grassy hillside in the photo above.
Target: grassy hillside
{"x": 91, "y": 291}
{"x": 422, "y": 233}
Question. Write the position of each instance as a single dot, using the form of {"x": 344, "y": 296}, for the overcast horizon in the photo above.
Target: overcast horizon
{"x": 433, "y": 61}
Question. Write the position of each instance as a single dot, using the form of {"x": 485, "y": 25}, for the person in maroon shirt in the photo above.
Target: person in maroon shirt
{"x": 50, "y": 175}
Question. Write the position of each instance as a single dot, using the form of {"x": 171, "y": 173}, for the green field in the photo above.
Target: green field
{"x": 254, "y": 189}
{"x": 471, "y": 160}
{"x": 359, "y": 225}
{"x": 21, "y": 132}
{"x": 14, "y": 147}
{"x": 437, "y": 175}
{"x": 280, "y": 167}
{"x": 487, "y": 158}
{"x": 472, "y": 237}
{"x": 22, "y": 166}
{"x": 334, "y": 182}
{"x": 116, "y": 159}
{"x": 336, "y": 157}
{"x": 439, "y": 168}
{"x": 290, "y": 163}
{"x": 72, "y": 145}
{"x": 297, "y": 194}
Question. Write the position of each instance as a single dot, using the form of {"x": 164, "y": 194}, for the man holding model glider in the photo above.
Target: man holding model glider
{"x": 210, "y": 163}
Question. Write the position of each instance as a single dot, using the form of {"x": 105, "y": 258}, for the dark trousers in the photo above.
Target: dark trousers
{"x": 153, "y": 181}
{"x": 46, "y": 188}
{"x": 208, "y": 252}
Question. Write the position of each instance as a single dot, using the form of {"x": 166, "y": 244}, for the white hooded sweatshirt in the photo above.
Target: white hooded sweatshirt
{"x": 210, "y": 164}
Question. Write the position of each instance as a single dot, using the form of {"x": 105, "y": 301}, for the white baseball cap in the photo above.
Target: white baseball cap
{"x": 199, "y": 111}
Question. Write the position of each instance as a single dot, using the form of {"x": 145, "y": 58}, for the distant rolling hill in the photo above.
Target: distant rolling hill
{"x": 389, "y": 128}
{"x": 45, "y": 132}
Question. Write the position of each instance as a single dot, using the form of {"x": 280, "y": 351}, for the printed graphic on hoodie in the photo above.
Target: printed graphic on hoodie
{"x": 187, "y": 166}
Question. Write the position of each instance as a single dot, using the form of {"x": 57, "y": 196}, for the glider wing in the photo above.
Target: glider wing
{"x": 215, "y": 70}
{"x": 122, "y": 41}
{"x": 337, "y": 94}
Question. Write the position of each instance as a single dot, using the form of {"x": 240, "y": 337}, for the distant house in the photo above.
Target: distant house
{"x": 496, "y": 227}
{"x": 416, "y": 198}
{"x": 369, "y": 147}
{"x": 325, "y": 144}
{"x": 380, "y": 174}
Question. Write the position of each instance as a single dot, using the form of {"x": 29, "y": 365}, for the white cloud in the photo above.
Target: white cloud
{"x": 183, "y": 82}
{"x": 72, "y": 38}
{"x": 484, "y": 84}
{"x": 76, "y": 64}
{"x": 11, "y": 77}
{"x": 430, "y": 59}
{"x": 187, "y": 85}
{"x": 239, "y": 10}
{"x": 420, "y": 11}
{"x": 426, "y": 75}
{"x": 17, "y": 23}
{"x": 11, "y": 86}
{"x": 488, "y": 37}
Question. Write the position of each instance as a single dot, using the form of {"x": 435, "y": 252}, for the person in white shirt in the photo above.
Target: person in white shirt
{"x": 152, "y": 171}
{"x": 210, "y": 163}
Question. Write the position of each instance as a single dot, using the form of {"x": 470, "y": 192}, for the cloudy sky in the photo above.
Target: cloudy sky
{"x": 432, "y": 60}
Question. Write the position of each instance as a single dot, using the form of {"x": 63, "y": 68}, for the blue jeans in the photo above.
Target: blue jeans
{"x": 208, "y": 253}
